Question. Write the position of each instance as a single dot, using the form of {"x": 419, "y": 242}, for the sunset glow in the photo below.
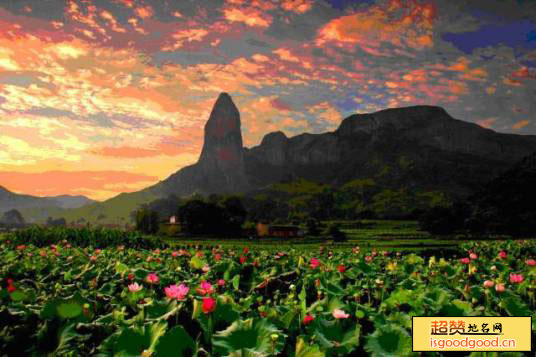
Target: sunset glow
{"x": 103, "y": 97}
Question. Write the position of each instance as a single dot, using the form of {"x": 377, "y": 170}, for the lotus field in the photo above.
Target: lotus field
{"x": 73, "y": 300}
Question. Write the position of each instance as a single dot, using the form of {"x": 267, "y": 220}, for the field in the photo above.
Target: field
{"x": 67, "y": 295}
{"x": 367, "y": 234}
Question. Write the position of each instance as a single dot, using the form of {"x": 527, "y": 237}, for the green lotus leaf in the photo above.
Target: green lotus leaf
{"x": 305, "y": 350}
{"x": 256, "y": 337}
{"x": 389, "y": 341}
{"x": 175, "y": 342}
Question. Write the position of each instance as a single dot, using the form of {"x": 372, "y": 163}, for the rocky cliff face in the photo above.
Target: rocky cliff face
{"x": 222, "y": 157}
{"x": 220, "y": 168}
{"x": 421, "y": 147}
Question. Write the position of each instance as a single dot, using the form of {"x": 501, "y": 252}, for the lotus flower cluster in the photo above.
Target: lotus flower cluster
{"x": 205, "y": 288}
{"x": 177, "y": 292}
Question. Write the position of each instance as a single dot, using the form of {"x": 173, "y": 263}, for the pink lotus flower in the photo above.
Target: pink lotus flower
{"x": 500, "y": 288}
{"x": 21, "y": 247}
{"x": 205, "y": 269}
{"x": 464, "y": 260}
{"x": 175, "y": 254}
{"x": 516, "y": 278}
{"x": 314, "y": 263}
{"x": 93, "y": 258}
{"x": 221, "y": 282}
{"x": 242, "y": 259}
{"x": 177, "y": 292}
{"x": 368, "y": 258}
{"x": 308, "y": 319}
{"x": 473, "y": 256}
{"x": 531, "y": 262}
{"x": 245, "y": 250}
{"x": 156, "y": 251}
{"x": 503, "y": 254}
{"x": 134, "y": 288}
{"x": 341, "y": 268}
{"x": 97, "y": 251}
{"x": 130, "y": 276}
{"x": 488, "y": 284}
{"x": 205, "y": 289}
{"x": 152, "y": 278}
{"x": 217, "y": 257}
{"x": 339, "y": 314}
{"x": 209, "y": 305}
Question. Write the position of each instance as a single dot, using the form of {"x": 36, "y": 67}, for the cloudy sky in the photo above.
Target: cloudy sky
{"x": 108, "y": 96}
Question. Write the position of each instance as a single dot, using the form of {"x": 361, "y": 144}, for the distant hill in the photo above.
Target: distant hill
{"x": 414, "y": 147}
{"x": 39, "y": 206}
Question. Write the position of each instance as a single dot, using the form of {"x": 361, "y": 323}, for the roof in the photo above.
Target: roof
{"x": 282, "y": 228}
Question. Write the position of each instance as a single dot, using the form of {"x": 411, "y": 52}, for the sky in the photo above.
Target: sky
{"x": 99, "y": 97}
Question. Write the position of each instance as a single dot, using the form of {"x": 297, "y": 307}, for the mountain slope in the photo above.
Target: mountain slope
{"x": 506, "y": 203}
{"x": 10, "y": 200}
{"x": 414, "y": 147}
{"x": 419, "y": 146}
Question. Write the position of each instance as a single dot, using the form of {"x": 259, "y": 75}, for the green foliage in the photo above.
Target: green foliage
{"x": 147, "y": 221}
{"x": 83, "y": 237}
{"x": 72, "y": 300}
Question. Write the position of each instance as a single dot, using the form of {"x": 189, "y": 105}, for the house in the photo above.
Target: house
{"x": 284, "y": 231}
{"x": 262, "y": 229}
{"x": 265, "y": 230}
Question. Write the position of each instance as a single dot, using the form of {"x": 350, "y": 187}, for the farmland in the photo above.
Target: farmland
{"x": 71, "y": 294}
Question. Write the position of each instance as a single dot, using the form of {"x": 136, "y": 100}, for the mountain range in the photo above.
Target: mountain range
{"x": 39, "y": 206}
{"x": 413, "y": 147}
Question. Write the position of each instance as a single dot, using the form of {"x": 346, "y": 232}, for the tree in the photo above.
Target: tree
{"x": 56, "y": 222}
{"x": 312, "y": 227}
{"x": 147, "y": 221}
{"x": 234, "y": 215}
{"x": 166, "y": 207}
{"x": 13, "y": 218}
{"x": 336, "y": 233}
{"x": 446, "y": 220}
{"x": 200, "y": 217}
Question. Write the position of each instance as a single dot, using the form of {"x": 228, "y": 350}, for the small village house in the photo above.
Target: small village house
{"x": 265, "y": 230}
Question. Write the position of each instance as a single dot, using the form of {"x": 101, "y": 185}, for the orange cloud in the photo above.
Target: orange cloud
{"x": 381, "y": 24}
{"x": 180, "y": 37}
{"x": 114, "y": 25}
{"x": 249, "y": 16}
{"x": 520, "y": 124}
{"x": 297, "y": 6}
{"x": 486, "y": 123}
{"x": 144, "y": 12}
{"x": 53, "y": 183}
{"x": 286, "y": 55}
{"x": 491, "y": 90}
{"x": 124, "y": 151}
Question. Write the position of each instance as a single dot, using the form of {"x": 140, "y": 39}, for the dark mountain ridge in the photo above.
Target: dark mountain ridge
{"x": 418, "y": 147}
{"x": 10, "y": 200}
